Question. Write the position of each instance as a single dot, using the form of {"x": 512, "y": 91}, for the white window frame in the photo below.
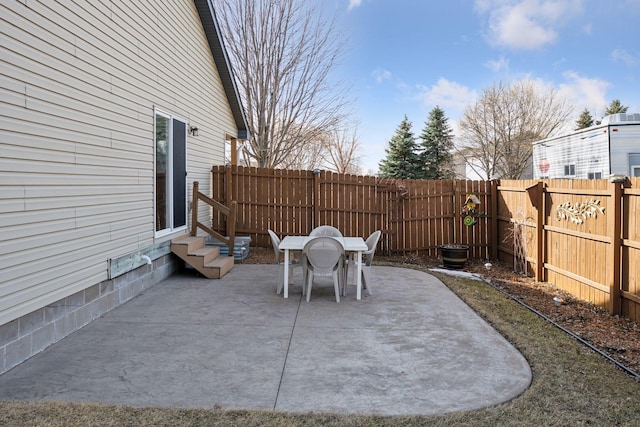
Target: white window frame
{"x": 594, "y": 173}
{"x": 569, "y": 166}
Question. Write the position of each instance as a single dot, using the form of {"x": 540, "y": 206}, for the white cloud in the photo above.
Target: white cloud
{"x": 625, "y": 57}
{"x": 380, "y": 75}
{"x": 526, "y": 24}
{"x": 498, "y": 65}
{"x": 584, "y": 92}
{"x": 354, "y": 3}
{"x": 447, "y": 95}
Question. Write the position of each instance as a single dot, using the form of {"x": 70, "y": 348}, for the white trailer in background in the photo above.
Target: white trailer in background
{"x": 609, "y": 148}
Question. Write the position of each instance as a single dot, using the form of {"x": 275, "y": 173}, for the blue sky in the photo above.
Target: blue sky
{"x": 407, "y": 56}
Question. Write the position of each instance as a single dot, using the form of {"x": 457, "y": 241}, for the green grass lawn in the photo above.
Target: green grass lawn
{"x": 572, "y": 386}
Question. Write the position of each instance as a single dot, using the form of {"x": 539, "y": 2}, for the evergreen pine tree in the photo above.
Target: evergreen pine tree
{"x": 437, "y": 144}
{"x": 402, "y": 160}
{"x": 585, "y": 120}
{"x": 615, "y": 107}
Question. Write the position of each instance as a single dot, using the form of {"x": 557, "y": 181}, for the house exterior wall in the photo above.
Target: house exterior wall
{"x": 625, "y": 149}
{"x": 79, "y": 84}
{"x": 587, "y": 150}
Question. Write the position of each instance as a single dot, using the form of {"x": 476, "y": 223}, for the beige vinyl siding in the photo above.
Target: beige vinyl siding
{"x": 79, "y": 81}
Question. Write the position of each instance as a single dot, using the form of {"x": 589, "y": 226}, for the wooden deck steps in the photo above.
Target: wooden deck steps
{"x": 206, "y": 259}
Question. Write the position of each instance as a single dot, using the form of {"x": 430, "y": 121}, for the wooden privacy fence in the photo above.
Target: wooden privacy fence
{"x": 581, "y": 235}
{"x": 413, "y": 215}
{"x": 553, "y": 230}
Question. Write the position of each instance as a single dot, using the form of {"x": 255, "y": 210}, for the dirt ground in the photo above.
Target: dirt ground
{"x": 616, "y": 336}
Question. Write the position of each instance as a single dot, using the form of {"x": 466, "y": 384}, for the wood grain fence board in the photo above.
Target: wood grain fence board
{"x": 340, "y": 214}
{"x": 411, "y": 234}
{"x": 435, "y": 224}
{"x": 263, "y": 206}
{"x": 274, "y": 192}
{"x": 364, "y": 204}
{"x": 283, "y": 203}
{"x": 351, "y": 204}
{"x": 577, "y": 248}
{"x": 333, "y": 217}
{"x": 368, "y": 224}
{"x": 433, "y": 209}
{"x": 423, "y": 227}
{"x": 287, "y": 184}
{"x": 356, "y": 188}
{"x": 308, "y": 217}
{"x": 235, "y": 186}
{"x": 274, "y": 196}
{"x": 449, "y": 206}
{"x": 355, "y": 205}
{"x": 335, "y": 211}
{"x": 395, "y": 214}
{"x": 493, "y": 222}
{"x": 325, "y": 195}
{"x": 249, "y": 198}
{"x": 288, "y": 189}
{"x": 630, "y": 272}
{"x": 246, "y": 198}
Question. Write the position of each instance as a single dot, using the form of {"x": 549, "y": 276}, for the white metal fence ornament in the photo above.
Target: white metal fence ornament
{"x": 579, "y": 212}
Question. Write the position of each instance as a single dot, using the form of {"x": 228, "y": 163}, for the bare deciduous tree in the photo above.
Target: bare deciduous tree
{"x": 283, "y": 52}
{"x": 308, "y": 155}
{"x": 334, "y": 149}
{"x": 500, "y": 127}
{"x": 341, "y": 147}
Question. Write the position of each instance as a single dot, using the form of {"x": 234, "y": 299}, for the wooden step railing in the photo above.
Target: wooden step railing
{"x": 228, "y": 211}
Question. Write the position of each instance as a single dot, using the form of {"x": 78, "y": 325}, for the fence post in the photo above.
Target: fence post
{"x": 194, "y": 209}
{"x": 316, "y": 198}
{"x": 461, "y": 236}
{"x": 493, "y": 233}
{"x": 234, "y": 151}
{"x": 228, "y": 185}
{"x": 614, "y": 226}
{"x": 540, "y": 223}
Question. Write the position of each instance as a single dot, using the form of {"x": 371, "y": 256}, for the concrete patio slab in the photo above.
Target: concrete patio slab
{"x": 412, "y": 347}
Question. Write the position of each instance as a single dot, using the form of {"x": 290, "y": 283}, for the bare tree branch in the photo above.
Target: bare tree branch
{"x": 499, "y": 129}
{"x": 284, "y": 52}
{"x": 341, "y": 147}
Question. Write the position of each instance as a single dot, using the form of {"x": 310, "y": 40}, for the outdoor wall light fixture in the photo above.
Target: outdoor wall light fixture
{"x": 193, "y": 130}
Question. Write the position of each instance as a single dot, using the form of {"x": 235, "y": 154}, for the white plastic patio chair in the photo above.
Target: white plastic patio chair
{"x": 331, "y": 231}
{"x": 372, "y": 243}
{"x": 325, "y": 230}
{"x": 324, "y": 256}
{"x": 275, "y": 241}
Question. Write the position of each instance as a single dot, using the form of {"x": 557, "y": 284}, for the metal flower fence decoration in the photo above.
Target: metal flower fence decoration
{"x": 470, "y": 210}
{"x": 579, "y": 212}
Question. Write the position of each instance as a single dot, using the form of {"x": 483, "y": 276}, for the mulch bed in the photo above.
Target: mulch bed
{"x": 616, "y": 336}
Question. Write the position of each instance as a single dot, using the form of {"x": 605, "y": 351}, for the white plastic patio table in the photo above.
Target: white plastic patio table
{"x": 351, "y": 244}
